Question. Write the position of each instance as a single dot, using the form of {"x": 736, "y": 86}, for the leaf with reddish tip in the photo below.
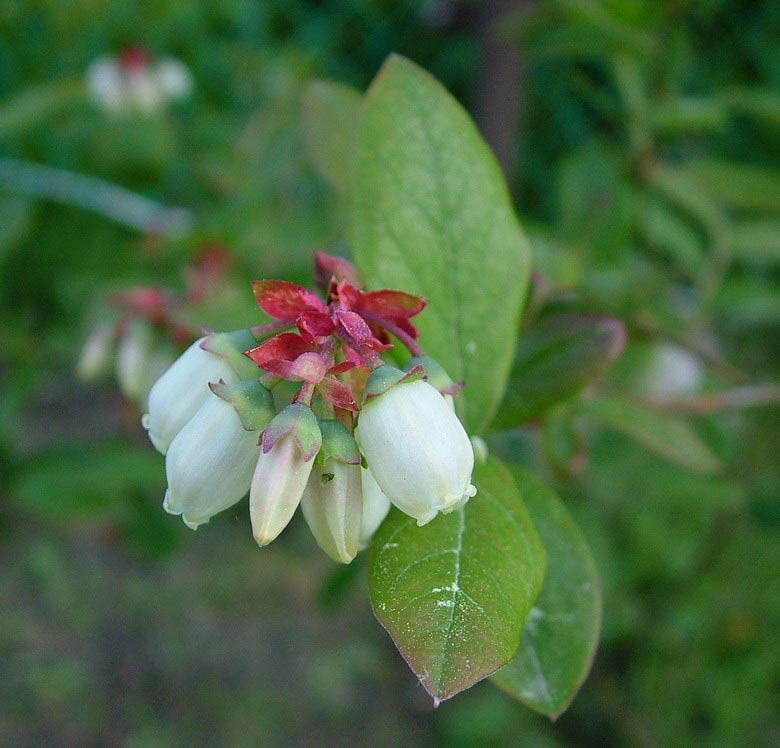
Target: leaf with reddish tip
{"x": 337, "y": 393}
{"x": 284, "y": 300}
{"x": 391, "y": 304}
{"x": 454, "y": 594}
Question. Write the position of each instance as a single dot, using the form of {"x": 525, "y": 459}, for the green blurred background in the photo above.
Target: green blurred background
{"x": 642, "y": 144}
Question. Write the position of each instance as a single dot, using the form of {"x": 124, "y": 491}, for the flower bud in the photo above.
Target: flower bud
{"x": 332, "y": 505}
{"x": 96, "y": 354}
{"x": 209, "y": 463}
{"x": 289, "y": 446}
{"x": 133, "y": 355}
{"x": 375, "y": 508}
{"x": 416, "y": 447}
{"x": 178, "y": 394}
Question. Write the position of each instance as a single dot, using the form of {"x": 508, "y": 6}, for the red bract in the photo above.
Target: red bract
{"x": 315, "y": 327}
{"x": 338, "y": 394}
{"x": 289, "y": 356}
{"x": 353, "y": 325}
{"x": 283, "y": 300}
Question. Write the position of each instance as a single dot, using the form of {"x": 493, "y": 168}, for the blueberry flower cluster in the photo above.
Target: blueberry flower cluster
{"x": 133, "y": 83}
{"x": 356, "y": 436}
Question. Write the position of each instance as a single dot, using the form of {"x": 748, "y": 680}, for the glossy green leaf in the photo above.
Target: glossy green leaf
{"x": 431, "y": 215}
{"x": 663, "y": 433}
{"x": 561, "y": 634}
{"x": 556, "y": 359}
{"x": 329, "y": 115}
{"x": 455, "y": 593}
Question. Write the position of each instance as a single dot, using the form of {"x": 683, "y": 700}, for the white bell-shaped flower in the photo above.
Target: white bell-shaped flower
{"x": 289, "y": 446}
{"x": 417, "y": 449}
{"x": 179, "y": 393}
{"x": 96, "y": 355}
{"x": 332, "y": 505}
{"x": 132, "y": 358}
{"x": 209, "y": 463}
{"x": 375, "y": 508}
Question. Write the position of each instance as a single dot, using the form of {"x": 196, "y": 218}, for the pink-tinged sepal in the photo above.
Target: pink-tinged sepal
{"x": 328, "y": 268}
{"x": 338, "y": 394}
{"x": 385, "y": 377}
{"x": 283, "y": 300}
{"x": 338, "y": 444}
{"x": 434, "y": 374}
{"x": 253, "y": 402}
{"x": 230, "y": 346}
{"x": 300, "y": 423}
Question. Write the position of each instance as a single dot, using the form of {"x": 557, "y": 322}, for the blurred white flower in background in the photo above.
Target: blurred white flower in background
{"x": 131, "y": 82}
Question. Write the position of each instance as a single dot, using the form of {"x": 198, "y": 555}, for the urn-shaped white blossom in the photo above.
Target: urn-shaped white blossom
{"x": 97, "y": 353}
{"x": 415, "y": 446}
{"x": 132, "y": 359}
{"x": 332, "y": 505}
{"x": 209, "y": 462}
{"x": 332, "y": 501}
{"x": 289, "y": 446}
{"x": 375, "y": 508}
{"x": 178, "y": 394}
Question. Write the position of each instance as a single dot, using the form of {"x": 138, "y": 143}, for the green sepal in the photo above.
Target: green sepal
{"x": 435, "y": 374}
{"x": 299, "y": 421}
{"x": 253, "y": 402}
{"x": 231, "y": 346}
{"x": 338, "y": 443}
{"x": 385, "y": 377}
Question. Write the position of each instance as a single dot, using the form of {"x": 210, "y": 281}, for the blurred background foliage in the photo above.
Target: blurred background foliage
{"x": 641, "y": 143}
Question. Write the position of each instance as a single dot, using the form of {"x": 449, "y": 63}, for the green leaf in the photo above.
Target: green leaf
{"x": 666, "y": 230}
{"x": 561, "y": 634}
{"x": 329, "y": 116}
{"x": 16, "y": 215}
{"x": 430, "y": 214}
{"x": 736, "y": 185}
{"x": 596, "y": 202}
{"x": 36, "y": 105}
{"x": 756, "y": 241}
{"x": 557, "y": 359}
{"x": 664, "y": 434}
{"x": 454, "y": 594}
{"x": 87, "y": 482}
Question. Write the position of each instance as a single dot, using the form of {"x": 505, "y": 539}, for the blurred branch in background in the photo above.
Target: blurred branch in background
{"x": 90, "y": 193}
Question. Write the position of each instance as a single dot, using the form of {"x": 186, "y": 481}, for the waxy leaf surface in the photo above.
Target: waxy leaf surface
{"x": 329, "y": 113}
{"x": 455, "y": 593}
{"x": 561, "y": 633}
{"x": 430, "y": 214}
